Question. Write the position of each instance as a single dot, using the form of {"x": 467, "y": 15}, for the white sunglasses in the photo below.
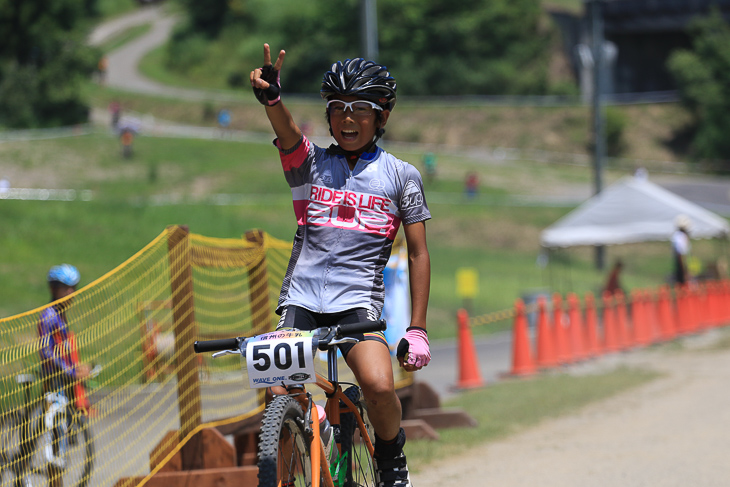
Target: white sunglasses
{"x": 362, "y": 108}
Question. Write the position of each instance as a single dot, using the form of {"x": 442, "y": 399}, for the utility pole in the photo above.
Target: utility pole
{"x": 369, "y": 29}
{"x": 599, "y": 132}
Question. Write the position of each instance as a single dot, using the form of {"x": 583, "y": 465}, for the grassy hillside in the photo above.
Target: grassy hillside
{"x": 492, "y": 233}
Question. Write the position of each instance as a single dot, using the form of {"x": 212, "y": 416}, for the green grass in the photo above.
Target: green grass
{"x": 490, "y": 234}
{"x": 512, "y": 406}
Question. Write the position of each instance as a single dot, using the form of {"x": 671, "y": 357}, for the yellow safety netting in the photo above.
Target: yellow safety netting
{"x": 139, "y": 322}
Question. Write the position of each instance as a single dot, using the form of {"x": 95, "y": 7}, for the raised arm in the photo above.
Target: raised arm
{"x": 267, "y": 88}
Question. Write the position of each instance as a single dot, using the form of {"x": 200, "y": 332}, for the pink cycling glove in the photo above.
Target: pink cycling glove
{"x": 414, "y": 347}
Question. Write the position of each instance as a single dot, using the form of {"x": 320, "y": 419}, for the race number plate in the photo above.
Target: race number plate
{"x": 280, "y": 357}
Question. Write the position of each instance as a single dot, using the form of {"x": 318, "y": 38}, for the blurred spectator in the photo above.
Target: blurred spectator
{"x": 127, "y": 140}
{"x": 101, "y": 68}
{"x": 680, "y": 249}
{"x": 471, "y": 185}
{"x": 429, "y": 161}
{"x": 613, "y": 284}
{"x": 115, "y": 110}
{"x": 224, "y": 120}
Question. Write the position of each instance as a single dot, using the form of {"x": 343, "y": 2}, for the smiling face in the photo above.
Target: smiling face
{"x": 355, "y": 131}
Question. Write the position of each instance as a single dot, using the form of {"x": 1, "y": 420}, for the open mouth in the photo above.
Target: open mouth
{"x": 349, "y": 134}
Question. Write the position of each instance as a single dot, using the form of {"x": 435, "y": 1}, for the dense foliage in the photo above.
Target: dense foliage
{"x": 703, "y": 78}
{"x": 437, "y": 47}
{"x": 44, "y": 61}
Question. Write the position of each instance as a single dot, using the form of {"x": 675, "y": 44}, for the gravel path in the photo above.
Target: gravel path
{"x": 670, "y": 432}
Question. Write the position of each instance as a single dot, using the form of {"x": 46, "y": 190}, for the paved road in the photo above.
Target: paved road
{"x": 442, "y": 374}
{"x": 122, "y": 71}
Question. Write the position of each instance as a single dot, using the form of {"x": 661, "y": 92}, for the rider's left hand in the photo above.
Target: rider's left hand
{"x": 413, "y": 350}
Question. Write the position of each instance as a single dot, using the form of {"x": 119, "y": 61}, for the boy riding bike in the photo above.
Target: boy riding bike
{"x": 349, "y": 201}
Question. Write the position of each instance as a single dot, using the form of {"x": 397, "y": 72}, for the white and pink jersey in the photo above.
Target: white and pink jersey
{"x": 347, "y": 221}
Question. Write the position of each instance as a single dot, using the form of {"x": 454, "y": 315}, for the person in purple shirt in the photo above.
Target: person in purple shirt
{"x": 57, "y": 368}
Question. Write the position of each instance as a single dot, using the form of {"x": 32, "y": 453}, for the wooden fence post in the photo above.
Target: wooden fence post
{"x": 258, "y": 287}
{"x": 183, "y": 312}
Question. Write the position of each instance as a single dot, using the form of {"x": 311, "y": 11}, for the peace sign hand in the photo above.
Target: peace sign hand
{"x": 265, "y": 80}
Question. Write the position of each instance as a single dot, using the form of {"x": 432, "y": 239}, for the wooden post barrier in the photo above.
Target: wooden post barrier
{"x": 188, "y": 385}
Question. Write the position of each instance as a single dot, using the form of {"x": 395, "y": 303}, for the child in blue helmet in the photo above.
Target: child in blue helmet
{"x": 58, "y": 370}
{"x": 350, "y": 200}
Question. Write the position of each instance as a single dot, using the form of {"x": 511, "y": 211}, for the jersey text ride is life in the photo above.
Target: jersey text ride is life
{"x": 347, "y": 221}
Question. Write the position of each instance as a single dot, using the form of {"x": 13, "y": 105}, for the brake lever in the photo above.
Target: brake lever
{"x": 223, "y": 353}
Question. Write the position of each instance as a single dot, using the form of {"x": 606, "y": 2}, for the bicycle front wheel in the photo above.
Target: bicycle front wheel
{"x": 283, "y": 446}
{"x": 56, "y": 454}
{"x": 355, "y": 457}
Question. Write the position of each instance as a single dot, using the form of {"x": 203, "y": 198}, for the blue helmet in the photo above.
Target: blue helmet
{"x": 65, "y": 274}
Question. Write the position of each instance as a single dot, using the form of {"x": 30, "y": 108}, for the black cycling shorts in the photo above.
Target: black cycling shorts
{"x": 303, "y": 319}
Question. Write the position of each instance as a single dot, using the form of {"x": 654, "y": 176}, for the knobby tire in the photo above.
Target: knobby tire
{"x": 283, "y": 446}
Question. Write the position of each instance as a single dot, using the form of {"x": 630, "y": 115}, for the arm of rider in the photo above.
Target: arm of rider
{"x": 267, "y": 88}
{"x": 419, "y": 266}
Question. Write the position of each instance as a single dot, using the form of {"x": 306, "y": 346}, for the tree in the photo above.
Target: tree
{"x": 207, "y": 16}
{"x": 44, "y": 62}
{"x": 703, "y": 78}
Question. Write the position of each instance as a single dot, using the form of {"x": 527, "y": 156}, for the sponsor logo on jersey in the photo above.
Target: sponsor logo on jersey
{"x": 352, "y": 210}
{"x": 412, "y": 196}
{"x": 377, "y": 184}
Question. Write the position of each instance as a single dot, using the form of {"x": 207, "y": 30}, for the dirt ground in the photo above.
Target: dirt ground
{"x": 672, "y": 431}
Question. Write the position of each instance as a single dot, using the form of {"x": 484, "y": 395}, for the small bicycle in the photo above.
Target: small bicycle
{"x": 38, "y": 447}
{"x": 297, "y": 445}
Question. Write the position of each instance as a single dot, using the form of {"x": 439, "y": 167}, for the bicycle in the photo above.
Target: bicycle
{"x": 292, "y": 450}
{"x": 38, "y": 446}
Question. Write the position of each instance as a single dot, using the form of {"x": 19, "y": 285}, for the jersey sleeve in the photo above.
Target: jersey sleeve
{"x": 297, "y": 161}
{"x": 412, "y": 204}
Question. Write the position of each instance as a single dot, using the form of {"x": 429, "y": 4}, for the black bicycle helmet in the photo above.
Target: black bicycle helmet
{"x": 362, "y": 78}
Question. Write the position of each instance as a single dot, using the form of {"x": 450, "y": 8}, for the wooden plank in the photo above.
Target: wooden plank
{"x": 215, "y": 477}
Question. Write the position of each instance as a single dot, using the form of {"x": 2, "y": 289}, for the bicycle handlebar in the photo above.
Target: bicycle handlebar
{"x": 362, "y": 327}
{"x": 216, "y": 345}
{"x": 338, "y": 331}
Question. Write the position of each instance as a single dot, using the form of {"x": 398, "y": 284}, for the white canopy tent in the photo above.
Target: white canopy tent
{"x": 631, "y": 210}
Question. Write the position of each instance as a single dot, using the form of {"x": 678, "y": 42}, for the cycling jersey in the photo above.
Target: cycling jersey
{"x": 347, "y": 221}
{"x": 53, "y": 333}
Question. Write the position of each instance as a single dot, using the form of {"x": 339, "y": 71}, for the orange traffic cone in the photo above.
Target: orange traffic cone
{"x": 522, "y": 363}
{"x": 652, "y": 316}
{"x": 562, "y": 345}
{"x": 683, "y": 312}
{"x": 638, "y": 319}
{"x": 624, "y": 337}
{"x": 545, "y": 344}
{"x": 469, "y": 374}
{"x": 667, "y": 321}
{"x": 577, "y": 337}
{"x": 593, "y": 347}
{"x": 610, "y": 335}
